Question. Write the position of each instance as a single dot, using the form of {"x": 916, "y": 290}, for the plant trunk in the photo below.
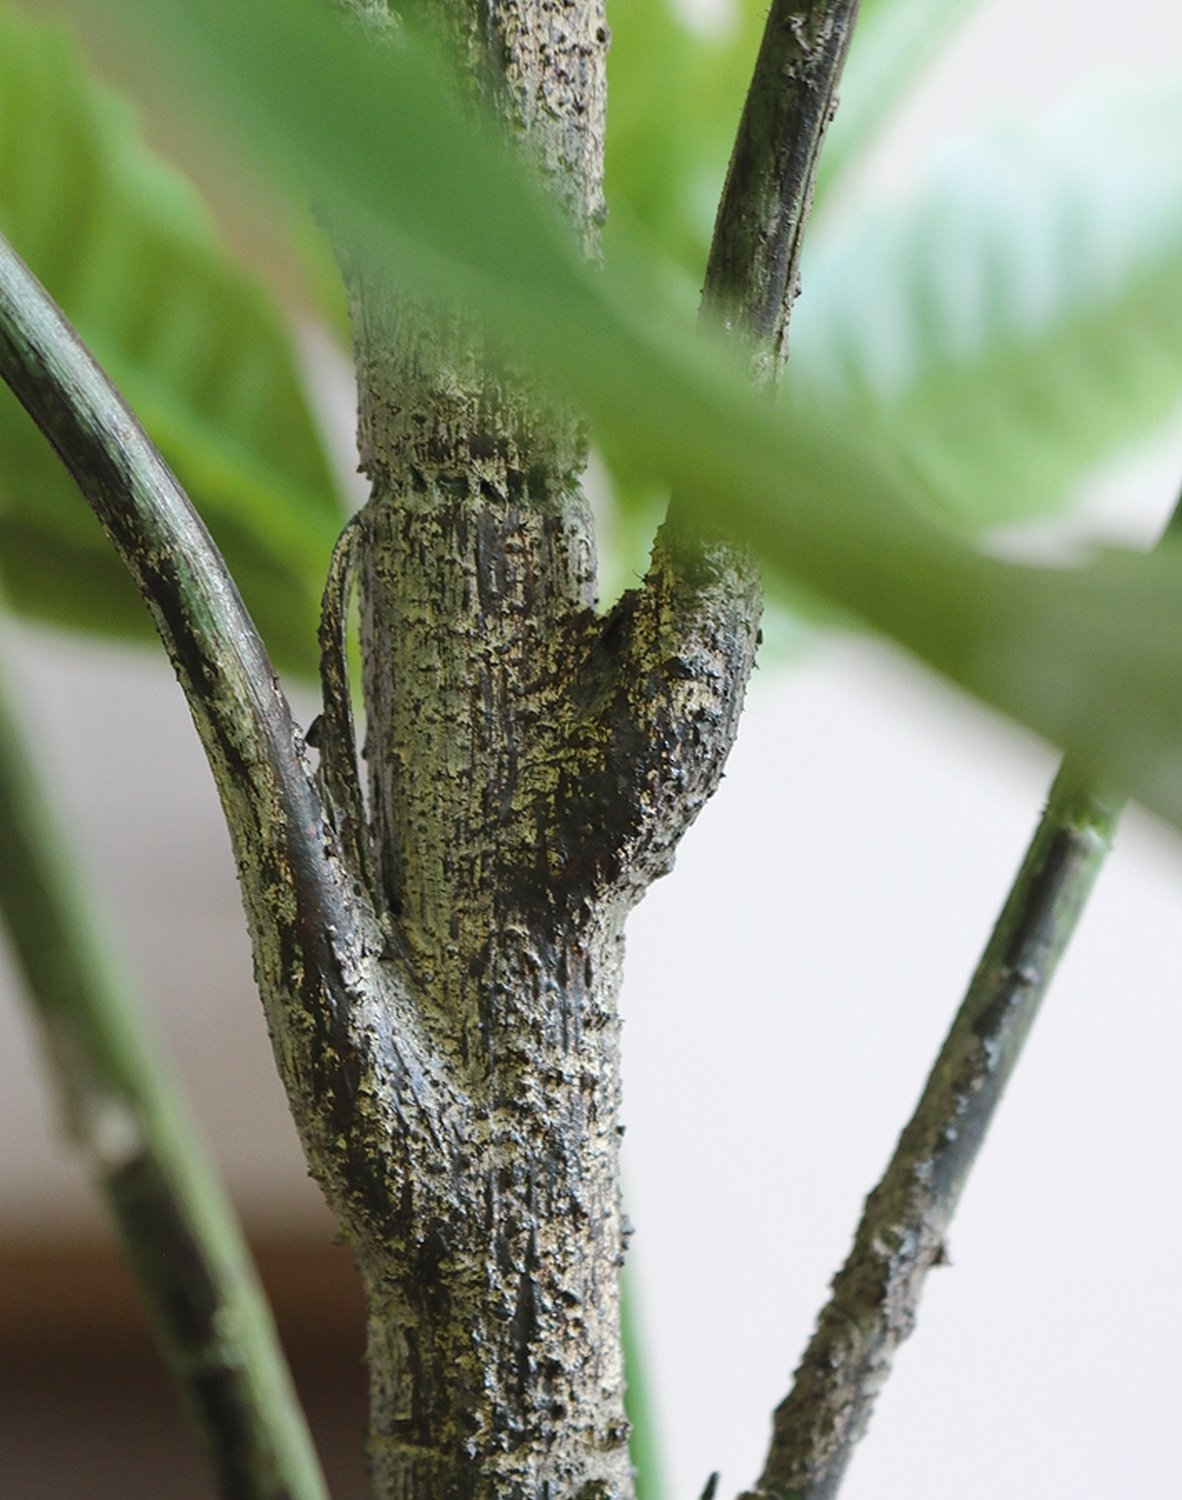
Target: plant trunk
{"x": 493, "y": 1338}
{"x": 531, "y": 767}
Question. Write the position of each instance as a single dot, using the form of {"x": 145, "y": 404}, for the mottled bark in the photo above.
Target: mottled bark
{"x": 532, "y": 766}
{"x": 440, "y": 976}
{"x": 346, "y": 1039}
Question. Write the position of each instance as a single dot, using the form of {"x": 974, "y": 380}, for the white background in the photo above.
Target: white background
{"x": 787, "y": 987}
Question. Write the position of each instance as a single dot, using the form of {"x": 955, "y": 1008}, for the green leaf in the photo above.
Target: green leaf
{"x": 676, "y": 97}
{"x": 200, "y": 351}
{"x": 1019, "y": 318}
{"x": 1090, "y": 657}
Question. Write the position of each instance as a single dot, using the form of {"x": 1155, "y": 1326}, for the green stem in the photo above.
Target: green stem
{"x": 876, "y": 1294}
{"x": 211, "y": 1320}
{"x": 643, "y": 1446}
{"x": 272, "y": 809}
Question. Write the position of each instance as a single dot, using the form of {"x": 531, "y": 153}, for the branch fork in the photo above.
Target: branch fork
{"x": 440, "y": 977}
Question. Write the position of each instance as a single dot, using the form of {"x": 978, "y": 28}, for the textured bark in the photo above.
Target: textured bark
{"x": 901, "y": 1236}
{"x": 440, "y": 976}
{"x": 345, "y": 1038}
{"x": 532, "y": 766}
{"x": 753, "y": 274}
{"x": 440, "y": 973}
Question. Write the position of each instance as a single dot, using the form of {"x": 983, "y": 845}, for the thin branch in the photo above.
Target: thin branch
{"x": 241, "y": 714}
{"x": 876, "y": 1294}
{"x": 211, "y": 1319}
{"x": 681, "y": 648}
{"x": 363, "y": 1079}
{"x": 753, "y": 272}
{"x": 312, "y": 929}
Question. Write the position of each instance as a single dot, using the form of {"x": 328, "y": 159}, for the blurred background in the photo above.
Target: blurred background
{"x": 787, "y": 987}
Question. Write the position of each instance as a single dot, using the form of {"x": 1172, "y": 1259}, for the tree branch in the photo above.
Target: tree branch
{"x": 684, "y": 643}
{"x": 351, "y": 1051}
{"x": 901, "y": 1236}
{"x": 876, "y": 1294}
{"x": 753, "y": 272}
{"x": 656, "y": 711}
{"x": 184, "y": 1247}
{"x": 239, "y": 709}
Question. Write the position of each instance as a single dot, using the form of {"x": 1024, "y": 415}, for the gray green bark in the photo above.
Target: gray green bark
{"x": 753, "y": 275}
{"x": 420, "y": 1148}
{"x": 901, "y": 1236}
{"x": 532, "y": 766}
{"x": 441, "y": 986}
{"x": 440, "y": 976}
{"x": 446, "y": 1031}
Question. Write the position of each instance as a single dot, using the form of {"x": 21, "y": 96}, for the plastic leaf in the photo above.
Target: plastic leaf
{"x": 199, "y": 349}
{"x": 1019, "y": 318}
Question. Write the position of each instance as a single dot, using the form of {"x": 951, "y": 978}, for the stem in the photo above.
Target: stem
{"x": 702, "y": 589}
{"x": 753, "y": 271}
{"x": 344, "y": 1036}
{"x": 244, "y": 720}
{"x": 211, "y": 1320}
{"x": 751, "y": 284}
{"x": 901, "y": 1236}
{"x": 876, "y": 1294}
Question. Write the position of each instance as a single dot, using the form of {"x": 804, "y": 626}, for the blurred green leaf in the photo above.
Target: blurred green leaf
{"x": 1091, "y": 657}
{"x": 676, "y": 95}
{"x": 1019, "y": 318}
{"x": 200, "y": 351}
